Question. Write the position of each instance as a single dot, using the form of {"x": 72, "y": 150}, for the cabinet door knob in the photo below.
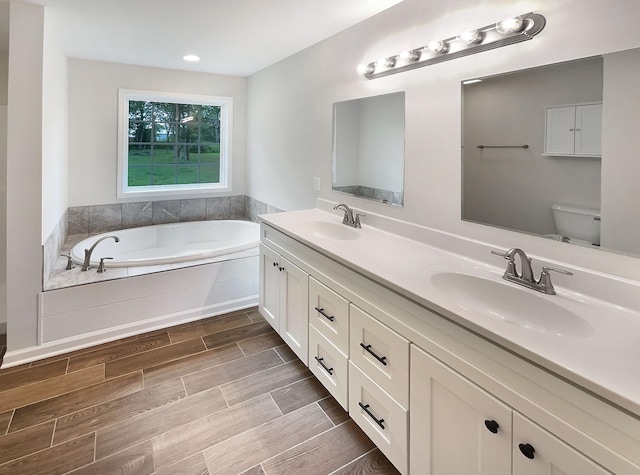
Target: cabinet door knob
{"x": 492, "y": 426}
{"x": 527, "y": 450}
{"x": 275, "y": 264}
{"x": 281, "y": 269}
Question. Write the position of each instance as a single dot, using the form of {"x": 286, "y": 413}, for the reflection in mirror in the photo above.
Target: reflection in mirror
{"x": 569, "y": 115}
{"x": 368, "y": 148}
{"x": 513, "y": 175}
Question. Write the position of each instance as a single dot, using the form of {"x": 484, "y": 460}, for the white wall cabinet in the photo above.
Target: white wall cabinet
{"x": 574, "y": 130}
{"x": 284, "y": 293}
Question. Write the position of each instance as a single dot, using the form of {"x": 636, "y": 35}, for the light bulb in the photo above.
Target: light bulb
{"x": 410, "y": 55}
{"x": 471, "y": 36}
{"x": 438, "y": 46}
{"x": 365, "y": 69}
{"x": 510, "y": 25}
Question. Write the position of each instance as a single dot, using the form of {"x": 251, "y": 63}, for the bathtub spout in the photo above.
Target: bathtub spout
{"x": 87, "y": 252}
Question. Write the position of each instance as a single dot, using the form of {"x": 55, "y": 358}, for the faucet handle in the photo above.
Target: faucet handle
{"x": 546, "y": 270}
{"x": 356, "y": 220}
{"x": 501, "y": 254}
{"x": 69, "y": 261}
{"x": 545, "y": 279}
{"x": 101, "y": 266}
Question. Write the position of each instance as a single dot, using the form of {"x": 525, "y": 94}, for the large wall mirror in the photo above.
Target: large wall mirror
{"x": 368, "y": 148}
{"x": 550, "y": 151}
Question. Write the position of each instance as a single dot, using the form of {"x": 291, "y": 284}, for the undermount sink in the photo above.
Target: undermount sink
{"x": 511, "y": 304}
{"x": 331, "y": 230}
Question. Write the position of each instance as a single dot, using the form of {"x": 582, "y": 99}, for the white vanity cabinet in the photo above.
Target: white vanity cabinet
{"x": 457, "y": 427}
{"x": 574, "y": 130}
{"x": 284, "y": 292}
{"x": 435, "y": 397}
{"x": 329, "y": 340}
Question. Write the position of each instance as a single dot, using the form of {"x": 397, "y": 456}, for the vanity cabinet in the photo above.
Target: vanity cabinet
{"x": 435, "y": 397}
{"x": 574, "y": 130}
{"x": 457, "y": 427}
{"x": 284, "y": 291}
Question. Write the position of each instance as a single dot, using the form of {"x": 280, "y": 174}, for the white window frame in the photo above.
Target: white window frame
{"x": 153, "y": 191}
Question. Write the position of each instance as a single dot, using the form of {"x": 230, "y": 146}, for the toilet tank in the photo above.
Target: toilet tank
{"x": 577, "y": 223}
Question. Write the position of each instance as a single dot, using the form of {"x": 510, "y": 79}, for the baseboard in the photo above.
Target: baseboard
{"x": 54, "y": 348}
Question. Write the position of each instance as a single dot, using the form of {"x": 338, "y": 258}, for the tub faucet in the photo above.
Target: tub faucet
{"x": 349, "y": 218}
{"x": 525, "y": 278}
{"x": 87, "y": 252}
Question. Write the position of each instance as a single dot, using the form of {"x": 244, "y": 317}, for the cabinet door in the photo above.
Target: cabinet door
{"x": 560, "y": 133}
{"x": 270, "y": 275}
{"x": 589, "y": 130}
{"x": 537, "y": 452}
{"x": 294, "y": 316}
{"x": 455, "y": 427}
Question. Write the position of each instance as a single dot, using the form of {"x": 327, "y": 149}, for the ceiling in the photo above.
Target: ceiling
{"x": 236, "y": 37}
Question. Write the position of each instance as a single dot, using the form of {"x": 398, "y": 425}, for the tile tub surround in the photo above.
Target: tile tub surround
{"x": 111, "y": 217}
{"x": 149, "y": 402}
{"x": 377, "y": 194}
{"x": 82, "y": 221}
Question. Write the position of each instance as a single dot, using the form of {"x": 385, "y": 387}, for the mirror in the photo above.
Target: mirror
{"x": 512, "y": 176}
{"x": 368, "y": 148}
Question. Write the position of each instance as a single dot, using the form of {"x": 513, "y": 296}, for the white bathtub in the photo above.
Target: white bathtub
{"x": 169, "y": 243}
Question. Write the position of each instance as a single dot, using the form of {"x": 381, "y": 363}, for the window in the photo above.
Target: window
{"x": 173, "y": 144}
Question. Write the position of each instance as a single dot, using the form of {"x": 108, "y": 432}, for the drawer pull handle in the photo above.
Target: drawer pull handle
{"x": 527, "y": 450}
{"x": 324, "y": 314}
{"x": 326, "y": 368}
{"x": 492, "y": 426}
{"x": 365, "y": 408}
{"x": 381, "y": 359}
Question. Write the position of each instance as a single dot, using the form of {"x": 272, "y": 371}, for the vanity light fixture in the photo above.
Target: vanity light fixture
{"x": 496, "y": 35}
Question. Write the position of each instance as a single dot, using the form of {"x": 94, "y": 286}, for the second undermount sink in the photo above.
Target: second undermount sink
{"x": 329, "y": 230}
{"x": 511, "y": 304}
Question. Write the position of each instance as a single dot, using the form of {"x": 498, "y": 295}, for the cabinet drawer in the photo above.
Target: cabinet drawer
{"x": 381, "y": 353}
{"x": 329, "y": 365}
{"x": 379, "y": 416}
{"x": 329, "y": 313}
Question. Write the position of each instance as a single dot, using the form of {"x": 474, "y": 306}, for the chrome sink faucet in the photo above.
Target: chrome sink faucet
{"x": 349, "y": 218}
{"x": 86, "y": 265}
{"x": 525, "y": 277}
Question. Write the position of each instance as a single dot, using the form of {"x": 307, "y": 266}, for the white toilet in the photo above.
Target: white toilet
{"x": 580, "y": 225}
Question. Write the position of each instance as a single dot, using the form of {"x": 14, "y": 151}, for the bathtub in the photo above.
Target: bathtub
{"x": 170, "y": 243}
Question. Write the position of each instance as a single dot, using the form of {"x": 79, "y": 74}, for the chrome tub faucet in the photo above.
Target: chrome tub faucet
{"x": 525, "y": 277}
{"x": 86, "y": 265}
{"x": 349, "y": 218}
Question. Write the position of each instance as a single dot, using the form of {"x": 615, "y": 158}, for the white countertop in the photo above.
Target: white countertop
{"x": 601, "y": 354}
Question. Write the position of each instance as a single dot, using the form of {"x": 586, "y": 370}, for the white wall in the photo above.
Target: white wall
{"x": 4, "y": 76}
{"x": 621, "y": 169}
{"x": 290, "y": 107}
{"x": 3, "y": 219}
{"x": 382, "y": 142}
{"x": 24, "y": 166}
{"x": 55, "y": 132}
{"x": 93, "y": 118}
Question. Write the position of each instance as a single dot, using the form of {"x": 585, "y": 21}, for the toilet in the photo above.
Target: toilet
{"x": 580, "y": 225}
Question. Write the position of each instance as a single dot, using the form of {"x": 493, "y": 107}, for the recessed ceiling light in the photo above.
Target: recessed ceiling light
{"x": 191, "y": 58}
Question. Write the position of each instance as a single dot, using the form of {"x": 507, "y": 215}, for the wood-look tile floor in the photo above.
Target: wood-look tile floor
{"x": 223, "y": 395}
